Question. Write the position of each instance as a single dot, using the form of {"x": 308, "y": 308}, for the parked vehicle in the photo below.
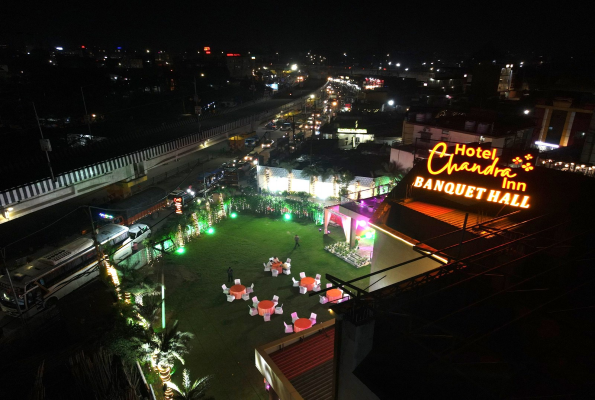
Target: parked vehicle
{"x": 186, "y": 195}
{"x": 135, "y": 207}
{"x": 41, "y": 283}
{"x": 286, "y": 126}
{"x": 138, "y": 232}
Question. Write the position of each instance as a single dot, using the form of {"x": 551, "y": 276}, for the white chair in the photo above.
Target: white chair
{"x": 237, "y": 282}
{"x": 267, "y": 268}
{"x": 288, "y": 261}
{"x": 345, "y": 298}
{"x": 323, "y": 299}
{"x": 255, "y": 301}
{"x": 317, "y": 278}
{"x": 286, "y": 271}
{"x": 328, "y": 285}
{"x": 287, "y": 265}
{"x": 302, "y": 275}
{"x": 294, "y": 317}
{"x": 245, "y": 297}
{"x": 316, "y": 288}
{"x": 279, "y": 310}
{"x": 303, "y": 290}
{"x": 253, "y": 311}
{"x": 288, "y": 328}
{"x": 275, "y": 273}
{"x": 230, "y": 298}
{"x": 276, "y": 298}
{"x": 313, "y": 318}
{"x": 250, "y": 289}
{"x": 225, "y": 289}
{"x": 267, "y": 317}
{"x": 295, "y": 283}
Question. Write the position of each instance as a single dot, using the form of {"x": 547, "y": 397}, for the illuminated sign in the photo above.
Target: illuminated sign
{"x": 207, "y": 50}
{"x": 233, "y": 55}
{"x": 106, "y": 216}
{"x": 508, "y": 175}
{"x": 178, "y": 204}
{"x": 347, "y": 130}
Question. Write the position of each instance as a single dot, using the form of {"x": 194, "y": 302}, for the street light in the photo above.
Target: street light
{"x": 294, "y": 67}
{"x": 526, "y": 112}
{"x": 391, "y": 102}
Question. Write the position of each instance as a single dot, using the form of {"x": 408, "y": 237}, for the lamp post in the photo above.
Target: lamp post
{"x": 87, "y": 116}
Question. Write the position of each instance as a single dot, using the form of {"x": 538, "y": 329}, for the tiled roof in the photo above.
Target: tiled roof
{"x": 301, "y": 357}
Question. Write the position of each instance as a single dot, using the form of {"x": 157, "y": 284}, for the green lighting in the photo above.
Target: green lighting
{"x": 181, "y": 250}
{"x": 211, "y": 231}
{"x": 287, "y": 216}
{"x": 233, "y": 215}
{"x": 369, "y": 235}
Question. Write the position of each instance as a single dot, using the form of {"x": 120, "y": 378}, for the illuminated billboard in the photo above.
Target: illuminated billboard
{"x": 444, "y": 170}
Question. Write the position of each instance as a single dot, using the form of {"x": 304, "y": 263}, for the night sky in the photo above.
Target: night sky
{"x": 410, "y": 26}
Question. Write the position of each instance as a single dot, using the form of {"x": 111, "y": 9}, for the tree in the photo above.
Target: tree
{"x": 345, "y": 179}
{"x": 393, "y": 170}
{"x": 289, "y": 166}
{"x": 149, "y": 308}
{"x": 334, "y": 173}
{"x": 165, "y": 348}
{"x": 134, "y": 282}
{"x": 312, "y": 172}
{"x": 191, "y": 390}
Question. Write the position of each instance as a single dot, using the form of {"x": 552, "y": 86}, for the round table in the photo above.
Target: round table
{"x": 301, "y": 324}
{"x": 308, "y": 283}
{"x": 334, "y": 294}
{"x": 278, "y": 266}
{"x": 237, "y": 291}
{"x": 266, "y": 306}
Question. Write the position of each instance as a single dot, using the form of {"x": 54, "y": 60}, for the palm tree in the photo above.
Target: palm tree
{"x": 191, "y": 390}
{"x": 289, "y": 166}
{"x": 333, "y": 173}
{"x": 345, "y": 179}
{"x": 313, "y": 172}
{"x": 165, "y": 348}
{"x": 149, "y": 308}
{"x": 132, "y": 281}
{"x": 393, "y": 170}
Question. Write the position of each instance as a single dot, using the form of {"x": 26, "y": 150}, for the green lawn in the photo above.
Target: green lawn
{"x": 225, "y": 334}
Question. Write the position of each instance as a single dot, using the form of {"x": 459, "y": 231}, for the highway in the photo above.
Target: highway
{"x": 71, "y": 219}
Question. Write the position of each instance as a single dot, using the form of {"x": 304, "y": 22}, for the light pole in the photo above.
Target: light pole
{"x": 87, "y": 116}
{"x": 45, "y": 144}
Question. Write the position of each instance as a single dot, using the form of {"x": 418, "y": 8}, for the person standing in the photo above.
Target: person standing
{"x": 229, "y": 274}
{"x": 297, "y": 242}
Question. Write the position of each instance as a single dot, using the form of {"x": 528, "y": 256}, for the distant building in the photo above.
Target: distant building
{"x": 562, "y": 122}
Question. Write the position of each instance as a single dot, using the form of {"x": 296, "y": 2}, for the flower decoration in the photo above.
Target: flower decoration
{"x": 517, "y": 160}
{"x": 527, "y": 167}
{"x": 528, "y": 157}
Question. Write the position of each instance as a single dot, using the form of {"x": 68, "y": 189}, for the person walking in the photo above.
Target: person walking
{"x": 297, "y": 242}
{"x": 229, "y": 274}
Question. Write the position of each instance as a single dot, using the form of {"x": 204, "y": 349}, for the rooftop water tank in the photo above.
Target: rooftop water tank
{"x": 482, "y": 128}
{"x": 470, "y": 126}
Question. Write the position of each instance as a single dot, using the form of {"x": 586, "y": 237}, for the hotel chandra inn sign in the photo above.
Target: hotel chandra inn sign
{"x": 444, "y": 171}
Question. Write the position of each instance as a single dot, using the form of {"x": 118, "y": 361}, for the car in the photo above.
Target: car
{"x": 286, "y": 126}
{"x": 251, "y": 141}
{"x": 138, "y": 232}
{"x": 267, "y": 143}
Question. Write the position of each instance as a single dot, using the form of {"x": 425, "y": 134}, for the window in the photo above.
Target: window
{"x": 425, "y": 136}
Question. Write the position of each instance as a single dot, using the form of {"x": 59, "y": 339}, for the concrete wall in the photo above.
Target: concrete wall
{"x": 389, "y": 251}
{"x": 404, "y": 158}
{"x": 356, "y": 344}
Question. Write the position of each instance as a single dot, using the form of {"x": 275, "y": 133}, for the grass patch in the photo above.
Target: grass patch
{"x": 225, "y": 334}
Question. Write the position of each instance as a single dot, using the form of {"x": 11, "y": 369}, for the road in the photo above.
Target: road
{"x": 38, "y": 231}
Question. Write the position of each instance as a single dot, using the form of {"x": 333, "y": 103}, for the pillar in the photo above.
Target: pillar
{"x": 547, "y": 116}
{"x": 352, "y": 232}
{"x": 327, "y": 218}
{"x": 567, "y": 128}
